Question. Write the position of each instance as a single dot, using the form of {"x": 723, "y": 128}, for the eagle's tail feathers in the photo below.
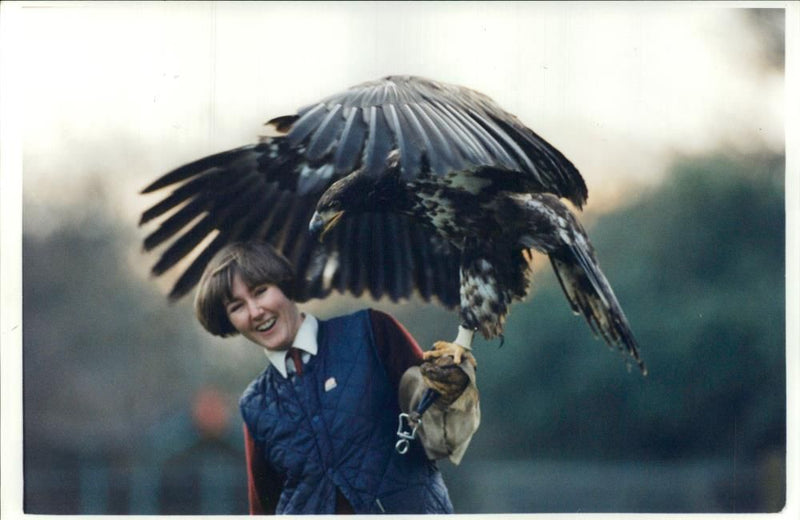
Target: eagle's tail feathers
{"x": 590, "y": 295}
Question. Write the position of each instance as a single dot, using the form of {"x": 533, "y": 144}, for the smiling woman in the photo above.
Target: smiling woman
{"x": 324, "y": 411}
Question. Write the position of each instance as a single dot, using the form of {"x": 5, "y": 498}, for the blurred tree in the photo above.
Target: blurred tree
{"x": 770, "y": 25}
{"x": 101, "y": 358}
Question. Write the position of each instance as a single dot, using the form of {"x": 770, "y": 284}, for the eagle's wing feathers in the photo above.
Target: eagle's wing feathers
{"x": 351, "y": 141}
{"x": 308, "y": 122}
{"x": 436, "y": 128}
{"x": 589, "y": 294}
{"x": 379, "y": 141}
{"x": 269, "y": 191}
{"x": 325, "y": 135}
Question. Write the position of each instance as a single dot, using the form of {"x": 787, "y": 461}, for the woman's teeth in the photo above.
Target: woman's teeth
{"x": 266, "y": 325}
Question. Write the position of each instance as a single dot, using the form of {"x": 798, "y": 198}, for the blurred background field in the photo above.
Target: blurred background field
{"x": 129, "y": 408}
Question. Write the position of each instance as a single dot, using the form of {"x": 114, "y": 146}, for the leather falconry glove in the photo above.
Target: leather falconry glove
{"x": 444, "y": 376}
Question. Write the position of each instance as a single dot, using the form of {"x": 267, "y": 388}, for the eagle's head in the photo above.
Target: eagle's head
{"x": 349, "y": 194}
{"x": 359, "y": 192}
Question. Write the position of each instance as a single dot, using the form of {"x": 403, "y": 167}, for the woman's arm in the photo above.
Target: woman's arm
{"x": 263, "y": 483}
{"x": 397, "y": 348}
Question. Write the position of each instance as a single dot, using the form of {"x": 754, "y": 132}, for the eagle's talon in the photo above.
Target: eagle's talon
{"x": 445, "y": 348}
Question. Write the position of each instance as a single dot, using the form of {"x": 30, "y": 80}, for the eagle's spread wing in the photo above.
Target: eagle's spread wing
{"x": 436, "y": 128}
{"x": 268, "y": 190}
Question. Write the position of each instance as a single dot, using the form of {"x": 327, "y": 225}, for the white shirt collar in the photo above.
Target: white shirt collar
{"x": 305, "y": 340}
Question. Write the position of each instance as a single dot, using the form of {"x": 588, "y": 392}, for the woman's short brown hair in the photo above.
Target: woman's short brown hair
{"x": 256, "y": 262}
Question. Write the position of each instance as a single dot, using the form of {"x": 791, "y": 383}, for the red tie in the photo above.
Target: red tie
{"x": 298, "y": 360}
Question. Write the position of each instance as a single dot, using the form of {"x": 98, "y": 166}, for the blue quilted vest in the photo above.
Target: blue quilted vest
{"x": 334, "y": 427}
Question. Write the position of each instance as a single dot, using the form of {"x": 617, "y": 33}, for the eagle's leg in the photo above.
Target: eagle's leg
{"x": 484, "y": 289}
{"x": 460, "y": 348}
{"x": 484, "y": 302}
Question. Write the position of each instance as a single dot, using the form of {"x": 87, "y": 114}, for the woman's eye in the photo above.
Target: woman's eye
{"x": 261, "y": 289}
{"x": 233, "y": 307}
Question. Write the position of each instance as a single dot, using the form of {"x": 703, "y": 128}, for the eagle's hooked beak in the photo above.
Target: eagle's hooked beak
{"x": 323, "y": 222}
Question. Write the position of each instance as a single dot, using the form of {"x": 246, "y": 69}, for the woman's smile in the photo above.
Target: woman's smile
{"x": 267, "y": 325}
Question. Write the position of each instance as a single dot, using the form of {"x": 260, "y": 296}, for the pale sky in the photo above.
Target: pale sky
{"x": 121, "y": 93}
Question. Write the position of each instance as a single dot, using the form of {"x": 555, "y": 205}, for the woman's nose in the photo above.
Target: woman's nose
{"x": 254, "y": 309}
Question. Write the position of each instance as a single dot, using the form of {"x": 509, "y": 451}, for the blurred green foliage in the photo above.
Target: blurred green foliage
{"x": 103, "y": 358}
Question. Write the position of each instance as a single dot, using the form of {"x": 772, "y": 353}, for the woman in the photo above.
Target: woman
{"x": 320, "y": 420}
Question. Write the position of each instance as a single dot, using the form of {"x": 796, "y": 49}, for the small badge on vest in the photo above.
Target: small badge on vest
{"x": 330, "y": 384}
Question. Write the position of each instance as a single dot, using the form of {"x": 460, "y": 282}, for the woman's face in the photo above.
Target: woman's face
{"x": 263, "y": 314}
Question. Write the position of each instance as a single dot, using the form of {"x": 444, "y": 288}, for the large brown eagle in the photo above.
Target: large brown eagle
{"x": 407, "y": 186}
